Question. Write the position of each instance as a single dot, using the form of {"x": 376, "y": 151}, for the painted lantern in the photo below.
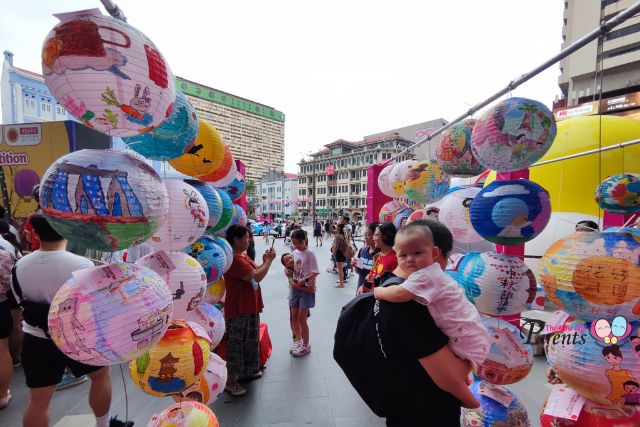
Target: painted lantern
{"x": 418, "y": 214}
{"x": 239, "y": 216}
{"x": 227, "y": 211}
{"x": 595, "y": 415}
{"x": 212, "y": 320}
{"x": 226, "y": 247}
{"x": 384, "y": 182}
{"x": 453, "y": 151}
{"x": 210, "y": 385}
{"x": 235, "y": 190}
{"x": 219, "y": 175}
{"x": 619, "y": 193}
{"x": 203, "y": 155}
{"x": 185, "y": 414}
{"x": 426, "y": 182}
{"x": 210, "y": 256}
{"x": 499, "y": 407}
{"x": 398, "y": 176}
{"x": 215, "y": 292}
{"x": 390, "y": 209}
{"x": 211, "y": 197}
{"x": 454, "y": 213}
{"x": 402, "y": 218}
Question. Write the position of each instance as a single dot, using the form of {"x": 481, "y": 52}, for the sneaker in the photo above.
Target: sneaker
{"x": 303, "y": 350}
{"x": 68, "y": 380}
{"x": 115, "y": 422}
{"x": 294, "y": 347}
{"x": 4, "y": 402}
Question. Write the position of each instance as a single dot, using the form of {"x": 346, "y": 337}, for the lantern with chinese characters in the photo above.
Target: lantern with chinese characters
{"x": 498, "y": 407}
{"x": 212, "y": 320}
{"x": 211, "y": 197}
{"x": 620, "y": 193}
{"x": 510, "y": 358}
{"x": 513, "y": 134}
{"x": 594, "y": 275}
{"x": 185, "y": 414}
{"x": 210, "y": 256}
{"x": 186, "y": 220}
{"x": 590, "y": 362}
{"x": 210, "y": 385}
{"x": 426, "y": 182}
{"x": 235, "y": 190}
{"x": 203, "y": 155}
{"x": 496, "y": 284}
{"x": 227, "y": 211}
{"x": 103, "y": 199}
{"x": 214, "y": 293}
{"x": 110, "y": 314}
{"x": 222, "y": 172}
{"x": 454, "y": 213}
{"x": 594, "y": 414}
{"x": 510, "y": 212}
{"x": 226, "y": 247}
{"x": 185, "y": 277}
{"x": 390, "y": 209}
{"x": 171, "y": 138}
{"x": 398, "y": 176}
{"x": 384, "y": 182}
{"x": 453, "y": 151}
{"x": 176, "y": 362}
{"x": 107, "y": 74}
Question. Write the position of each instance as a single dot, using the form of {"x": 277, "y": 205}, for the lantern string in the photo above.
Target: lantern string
{"x": 601, "y": 48}
{"x": 126, "y": 397}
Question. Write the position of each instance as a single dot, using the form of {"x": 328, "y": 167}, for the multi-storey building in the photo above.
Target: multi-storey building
{"x": 277, "y": 195}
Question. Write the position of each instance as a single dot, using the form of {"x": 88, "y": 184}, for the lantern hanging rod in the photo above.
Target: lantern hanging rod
{"x": 586, "y": 153}
{"x": 603, "y": 29}
{"x": 114, "y": 10}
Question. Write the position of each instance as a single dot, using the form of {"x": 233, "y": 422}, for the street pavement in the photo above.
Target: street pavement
{"x": 306, "y": 391}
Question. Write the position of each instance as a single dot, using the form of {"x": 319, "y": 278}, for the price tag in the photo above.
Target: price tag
{"x": 100, "y": 277}
{"x": 160, "y": 263}
{"x": 509, "y": 346}
{"x": 498, "y": 394}
{"x": 564, "y": 403}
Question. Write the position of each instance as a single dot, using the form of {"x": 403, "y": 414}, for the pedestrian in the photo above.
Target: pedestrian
{"x": 338, "y": 249}
{"x": 30, "y": 236}
{"x": 385, "y": 260}
{"x": 287, "y": 262}
{"x": 364, "y": 262}
{"x": 433, "y": 213}
{"x": 266, "y": 231}
{"x": 317, "y": 232}
{"x": 327, "y": 229}
{"x": 587, "y": 225}
{"x": 7, "y": 306}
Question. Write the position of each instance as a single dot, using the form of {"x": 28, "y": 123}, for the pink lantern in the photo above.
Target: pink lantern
{"x": 185, "y": 414}
{"x": 210, "y": 385}
{"x": 384, "y": 182}
{"x": 107, "y": 74}
{"x": 212, "y": 320}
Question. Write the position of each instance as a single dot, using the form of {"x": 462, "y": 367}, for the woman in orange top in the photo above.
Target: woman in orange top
{"x": 385, "y": 260}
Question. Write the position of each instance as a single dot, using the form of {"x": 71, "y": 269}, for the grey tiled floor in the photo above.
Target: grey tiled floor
{"x": 293, "y": 391}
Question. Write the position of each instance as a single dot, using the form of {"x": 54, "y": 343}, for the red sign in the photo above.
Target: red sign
{"x": 330, "y": 170}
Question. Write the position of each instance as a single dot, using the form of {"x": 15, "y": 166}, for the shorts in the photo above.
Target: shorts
{"x": 6, "y": 321}
{"x": 317, "y": 233}
{"x": 340, "y": 257}
{"x": 44, "y": 363}
{"x": 302, "y": 299}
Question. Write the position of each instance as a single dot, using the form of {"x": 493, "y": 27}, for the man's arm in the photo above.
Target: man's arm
{"x": 393, "y": 293}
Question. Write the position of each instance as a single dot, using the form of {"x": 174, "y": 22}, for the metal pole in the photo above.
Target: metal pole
{"x": 114, "y": 10}
{"x": 586, "y": 153}
{"x": 603, "y": 29}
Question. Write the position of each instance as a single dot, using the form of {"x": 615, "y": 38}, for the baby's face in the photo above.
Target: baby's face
{"x": 414, "y": 251}
{"x": 288, "y": 262}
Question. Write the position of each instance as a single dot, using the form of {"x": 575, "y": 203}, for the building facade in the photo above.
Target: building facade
{"x": 415, "y": 133}
{"x": 277, "y": 195}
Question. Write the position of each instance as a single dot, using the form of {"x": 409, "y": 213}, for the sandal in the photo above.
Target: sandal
{"x": 4, "y": 402}
{"x": 235, "y": 390}
{"x": 255, "y": 376}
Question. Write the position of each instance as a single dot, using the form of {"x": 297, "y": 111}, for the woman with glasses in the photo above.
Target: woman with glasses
{"x": 385, "y": 260}
{"x": 364, "y": 261}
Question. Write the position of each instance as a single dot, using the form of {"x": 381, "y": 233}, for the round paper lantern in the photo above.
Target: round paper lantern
{"x": 227, "y": 211}
{"x": 210, "y": 385}
{"x": 226, "y": 179}
{"x": 426, "y": 182}
{"x": 175, "y": 362}
{"x": 171, "y": 138}
{"x": 24, "y": 181}
{"x": 211, "y": 197}
{"x": 510, "y": 212}
{"x": 513, "y": 135}
{"x": 185, "y": 414}
{"x": 212, "y": 320}
{"x": 453, "y": 151}
{"x": 235, "y": 190}
{"x": 398, "y": 176}
{"x": 226, "y": 247}
{"x": 496, "y": 284}
{"x": 103, "y": 199}
{"x": 594, "y": 275}
{"x": 110, "y": 314}
{"x": 203, "y": 155}
{"x": 510, "y": 358}
{"x": 454, "y": 213}
{"x": 390, "y": 209}
{"x": 402, "y": 217}
{"x": 210, "y": 256}
{"x": 187, "y": 281}
{"x": 213, "y": 293}
{"x": 239, "y": 216}
{"x": 107, "y": 74}
{"x": 186, "y": 220}
{"x": 595, "y": 415}
{"x": 499, "y": 407}
{"x": 620, "y": 193}
{"x": 384, "y": 182}
{"x": 222, "y": 171}
{"x": 600, "y": 371}
{"x": 419, "y": 214}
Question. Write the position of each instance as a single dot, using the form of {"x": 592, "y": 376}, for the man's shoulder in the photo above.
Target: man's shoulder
{"x": 64, "y": 257}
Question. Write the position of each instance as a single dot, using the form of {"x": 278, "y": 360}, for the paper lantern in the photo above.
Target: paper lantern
{"x": 107, "y": 74}
{"x": 214, "y": 293}
{"x": 390, "y": 209}
{"x": 226, "y": 247}
{"x": 426, "y": 182}
{"x": 186, "y": 280}
{"x": 203, "y": 155}
{"x": 110, "y": 314}
{"x": 496, "y": 284}
{"x": 454, "y": 213}
{"x": 594, "y": 275}
{"x": 402, "y": 217}
{"x": 187, "y": 217}
{"x": 222, "y": 171}
{"x": 499, "y": 407}
{"x": 620, "y": 193}
{"x": 185, "y": 414}
{"x": 171, "y": 138}
{"x": 398, "y": 176}
{"x": 595, "y": 415}
{"x": 513, "y": 134}
{"x": 235, "y": 190}
{"x": 226, "y": 179}
{"x": 239, "y": 216}
{"x": 210, "y": 385}
{"x": 175, "y": 362}
{"x": 419, "y": 214}
{"x": 212, "y": 320}
{"x": 510, "y": 358}
{"x": 210, "y": 256}
{"x": 103, "y": 199}
{"x": 453, "y": 151}
{"x": 227, "y": 211}
{"x": 592, "y": 367}
{"x": 510, "y": 212}
{"x": 384, "y": 182}
{"x": 211, "y": 197}
{"x": 23, "y": 182}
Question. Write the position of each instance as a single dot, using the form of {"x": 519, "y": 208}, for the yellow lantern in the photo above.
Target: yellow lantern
{"x": 185, "y": 414}
{"x": 203, "y": 155}
{"x": 214, "y": 293}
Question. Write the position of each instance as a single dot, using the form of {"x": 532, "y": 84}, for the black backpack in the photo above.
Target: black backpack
{"x": 34, "y": 313}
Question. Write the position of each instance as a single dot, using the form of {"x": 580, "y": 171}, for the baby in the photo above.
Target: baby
{"x": 430, "y": 286}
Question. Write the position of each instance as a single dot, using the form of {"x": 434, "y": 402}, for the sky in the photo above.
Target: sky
{"x": 338, "y": 69}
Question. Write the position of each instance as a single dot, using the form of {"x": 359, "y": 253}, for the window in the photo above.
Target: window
{"x": 622, "y": 32}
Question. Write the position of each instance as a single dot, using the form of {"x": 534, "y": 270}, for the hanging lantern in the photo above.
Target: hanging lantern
{"x": 513, "y": 135}
{"x": 214, "y": 293}
{"x": 510, "y": 212}
{"x": 235, "y": 190}
{"x": 103, "y": 199}
{"x": 226, "y": 179}
{"x": 227, "y": 211}
{"x": 426, "y": 182}
{"x": 595, "y": 415}
{"x": 417, "y": 214}
{"x": 184, "y": 276}
{"x": 239, "y": 216}
{"x": 212, "y": 320}
{"x": 454, "y": 213}
{"x": 210, "y": 385}
{"x": 226, "y": 166}
{"x": 110, "y": 314}
{"x": 402, "y": 218}
{"x": 499, "y": 407}
{"x": 390, "y": 209}
{"x": 384, "y": 180}
{"x": 203, "y": 155}
{"x": 185, "y": 414}
{"x": 510, "y": 358}
{"x": 497, "y": 284}
{"x": 619, "y": 193}
{"x": 211, "y": 197}
{"x": 226, "y": 247}
{"x": 171, "y": 138}
{"x": 210, "y": 256}
{"x": 186, "y": 220}
{"x": 107, "y": 74}
{"x": 453, "y": 151}
{"x": 398, "y": 176}
{"x": 175, "y": 362}
{"x": 594, "y": 275}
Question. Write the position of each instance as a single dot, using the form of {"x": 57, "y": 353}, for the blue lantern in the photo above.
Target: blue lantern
{"x": 619, "y": 193}
{"x": 211, "y": 196}
{"x": 498, "y": 407}
{"x": 227, "y": 211}
{"x": 210, "y": 256}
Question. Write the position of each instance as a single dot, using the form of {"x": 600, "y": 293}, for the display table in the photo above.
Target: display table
{"x": 264, "y": 350}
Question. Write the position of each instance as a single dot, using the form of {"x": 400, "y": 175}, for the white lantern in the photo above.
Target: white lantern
{"x": 212, "y": 320}
{"x": 399, "y": 175}
{"x": 454, "y": 213}
{"x": 383, "y": 181}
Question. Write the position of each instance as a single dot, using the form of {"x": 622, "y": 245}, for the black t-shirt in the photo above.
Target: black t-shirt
{"x": 378, "y": 344}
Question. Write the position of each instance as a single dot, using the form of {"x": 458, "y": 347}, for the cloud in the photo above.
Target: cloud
{"x": 507, "y": 190}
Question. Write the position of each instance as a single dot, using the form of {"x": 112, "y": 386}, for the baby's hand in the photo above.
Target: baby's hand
{"x": 377, "y": 293}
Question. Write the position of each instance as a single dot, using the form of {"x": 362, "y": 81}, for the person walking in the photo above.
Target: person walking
{"x": 317, "y": 232}
{"x": 338, "y": 249}
{"x": 7, "y": 306}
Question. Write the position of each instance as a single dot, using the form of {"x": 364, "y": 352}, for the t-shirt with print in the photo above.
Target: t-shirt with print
{"x": 7, "y": 260}
{"x": 365, "y": 263}
{"x": 304, "y": 263}
{"x": 382, "y": 263}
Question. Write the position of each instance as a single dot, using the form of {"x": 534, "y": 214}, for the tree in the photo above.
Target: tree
{"x": 250, "y": 189}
